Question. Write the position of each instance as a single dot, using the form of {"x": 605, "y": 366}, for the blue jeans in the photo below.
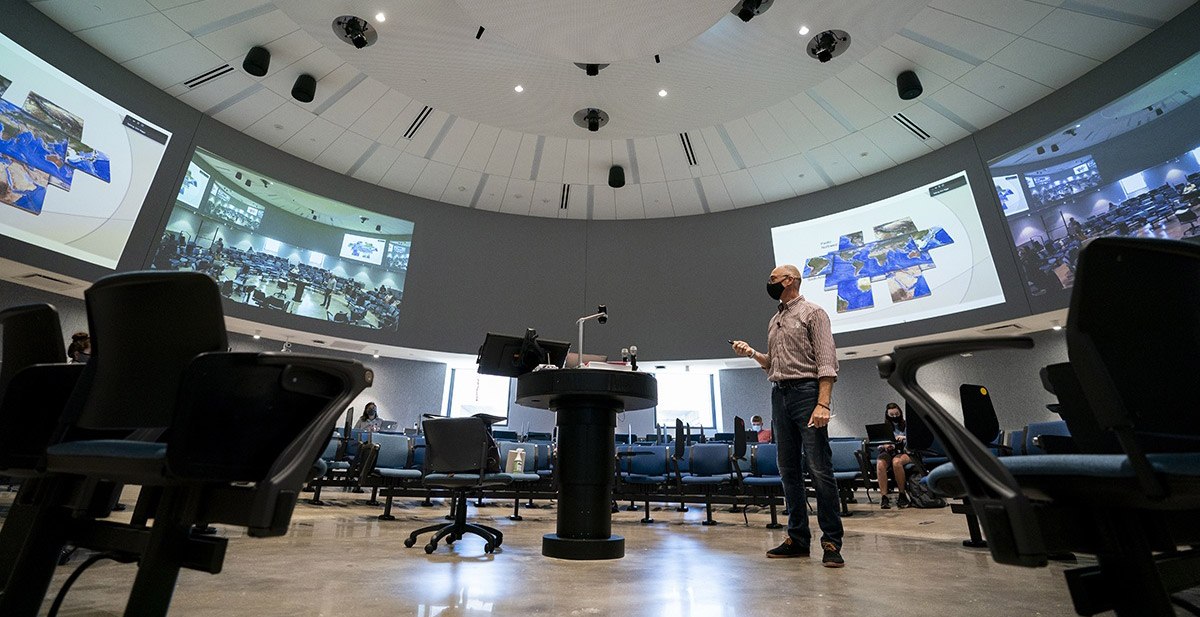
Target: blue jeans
{"x": 801, "y": 445}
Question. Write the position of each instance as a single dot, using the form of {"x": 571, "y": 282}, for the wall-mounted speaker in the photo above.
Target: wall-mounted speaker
{"x": 908, "y": 85}
{"x": 616, "y": 176}
{"x": 305, "y": 88}
{"x": 257, "y": 61}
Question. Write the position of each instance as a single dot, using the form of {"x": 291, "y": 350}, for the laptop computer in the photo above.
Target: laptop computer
{"x": 880, "y": 433}
{"x": 388, "y": 425}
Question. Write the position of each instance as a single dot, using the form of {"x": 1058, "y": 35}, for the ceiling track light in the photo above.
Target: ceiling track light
{"x": 355, "y": 31}
{"x": 592, "y": 69}
{"x": 590, "y": 118}
{"x": 827, "y": 45}
{"x": 749, "y": 9}
{"x": 257, "y": 61}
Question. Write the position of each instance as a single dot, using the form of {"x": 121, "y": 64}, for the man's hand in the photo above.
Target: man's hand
{"x": 820, "y": 417}
{"x": 743, "y": 349}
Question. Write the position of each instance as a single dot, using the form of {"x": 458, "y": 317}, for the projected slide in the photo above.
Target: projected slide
{"x": 74, "y": 166}
{"x": 284, "y": 250}
{"x": 1012, "y": 197}
{"x": 362, "y": 248}
{"x": 916, "y": 255}
{"x": 194, "y": 185}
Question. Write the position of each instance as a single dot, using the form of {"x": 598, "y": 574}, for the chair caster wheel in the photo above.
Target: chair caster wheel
{"x": 488, "y": 548}
{"x": 450, "y": 541}
{"x": 429, "y": 548}
{"x": 409, "y": 543}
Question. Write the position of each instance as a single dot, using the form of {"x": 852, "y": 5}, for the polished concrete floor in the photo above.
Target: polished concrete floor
{"x": 339, "y": 559}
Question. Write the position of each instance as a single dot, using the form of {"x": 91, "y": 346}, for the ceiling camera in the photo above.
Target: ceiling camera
{"x": 828, "y": 44}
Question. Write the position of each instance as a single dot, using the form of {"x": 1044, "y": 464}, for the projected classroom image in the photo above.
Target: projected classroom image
{"x": 74, "y": 166}
{"x": 1139, "y": 179}
{"x": 273, "y": 246}
{"x": 915, "y": 255}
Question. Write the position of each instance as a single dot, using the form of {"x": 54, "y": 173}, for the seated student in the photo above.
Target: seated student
{"x": 892, "y": 455}
{"x": 80, "y": 349}
{"x": 370, "y": 420}
{"x": 764, "y": 434}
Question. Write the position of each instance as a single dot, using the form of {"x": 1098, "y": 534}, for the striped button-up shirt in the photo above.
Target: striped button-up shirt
{"x": 800, "y": 343}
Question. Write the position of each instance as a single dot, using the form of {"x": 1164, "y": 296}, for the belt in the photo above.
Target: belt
{"x": 792, "y": 383}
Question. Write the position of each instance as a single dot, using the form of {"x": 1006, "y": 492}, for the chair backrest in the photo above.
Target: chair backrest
{"x": 764, "y": 460}
{"x": 32, "y": 335}
{"x": 654, "y": 462}
{"x": 1073, "y": 408}
{"x": 146, "y": 328}
{"x": 330, "y": 450}
{"x": 1016, "y": 441}
{"x": 1128, "y": 355}
{"x": 916, "y": 432}
{"x": 418, "y": 452}
{"x": 456, "y": 445}
{"x": 979, "y": 415}
{"x": 393, "y": 451}
{"x": 545, "y": 461}
{"x": 843, "y": 454}
{"x": 529, "y": 449}
{"x": 710, "y": 459}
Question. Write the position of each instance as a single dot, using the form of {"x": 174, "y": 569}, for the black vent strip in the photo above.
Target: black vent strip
{"x": 416, "y": 124}
{"x": 479, "y": 35}
{"x": 687, "y": 148}
{"x": 566, "y": 197}
{"x": 208, "y": 76}
{"x": 911, "y": 126}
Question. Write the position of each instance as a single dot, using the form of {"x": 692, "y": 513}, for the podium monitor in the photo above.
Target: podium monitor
{"x": 513, "y": 356}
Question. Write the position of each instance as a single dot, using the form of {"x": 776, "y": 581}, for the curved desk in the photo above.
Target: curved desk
{"x": 587, "y": 402}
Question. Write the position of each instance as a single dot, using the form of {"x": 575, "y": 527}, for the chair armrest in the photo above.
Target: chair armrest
{"x": 30, "y": 412}
{"x": 1006, "y": 513}
{"x": 261, "y": 418}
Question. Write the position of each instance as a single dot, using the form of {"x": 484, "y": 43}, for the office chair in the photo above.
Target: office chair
{"x": 456, "y": 458}
{"x": 1134, "y": 509}
{"x": 150, "y": 376}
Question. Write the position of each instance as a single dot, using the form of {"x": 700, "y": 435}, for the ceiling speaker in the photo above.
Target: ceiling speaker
{"x": 305, "y": 88}
{"x": 616, "y": 176}
{"x": 908, "y": 85}
{"x": 257, "y": 61}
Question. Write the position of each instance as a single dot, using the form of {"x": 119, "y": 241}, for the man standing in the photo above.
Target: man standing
{"x": 802, "y": 365}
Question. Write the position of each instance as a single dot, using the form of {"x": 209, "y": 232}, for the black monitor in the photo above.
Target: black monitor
{"x": 513, "y": 356}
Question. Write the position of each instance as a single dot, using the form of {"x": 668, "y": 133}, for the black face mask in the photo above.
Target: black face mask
{"x": 775, "y": 290}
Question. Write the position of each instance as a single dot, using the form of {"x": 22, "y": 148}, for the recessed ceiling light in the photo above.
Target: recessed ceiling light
{"x": 519, "y": 88}
{"x": 803, "y": 30}
{"x": 662, "y": 92}
{"x": 1056, "y": 328}
{"x": 380, "y": 17}
{"x": 376, "y": 354}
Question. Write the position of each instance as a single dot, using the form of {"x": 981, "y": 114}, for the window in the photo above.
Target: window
{"x": 1134, "y": 185}
{"x": 691, "y": 397}
{"x": 316, "y": 259}
{"x": 271, "y": 246}
{"x": 472, "y": 393}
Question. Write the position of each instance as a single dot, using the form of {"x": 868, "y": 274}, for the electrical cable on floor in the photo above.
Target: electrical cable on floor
{"x": 87, "y": 563}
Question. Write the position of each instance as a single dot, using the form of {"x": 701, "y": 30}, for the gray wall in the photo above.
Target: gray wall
{"x": 676, "y": 287}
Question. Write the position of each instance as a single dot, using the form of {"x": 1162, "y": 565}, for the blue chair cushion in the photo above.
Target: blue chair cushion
{"x": 944, "y": 479}
{"x": 637, "y": 478}
{"x": 845, "y": 475}
{"x": 763, "y": 481}
{"x": 401, "y": 474}
{"x": 339, "y": 465}
{"x": 525, "y": 477}
{"x": 721, "y": 479}
{"x": 457, "y": 480}
{"x": 138, "y": 462}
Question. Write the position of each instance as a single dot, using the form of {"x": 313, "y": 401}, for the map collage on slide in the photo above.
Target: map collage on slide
{"x": 899, "y": 254}
{"x": 41, "y": 145}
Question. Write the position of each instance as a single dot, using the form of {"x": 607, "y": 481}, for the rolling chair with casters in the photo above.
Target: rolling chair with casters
{"x": 148, "y": 375}
{"x": 1135, "y": 510}
{"x": 456, "y": 458}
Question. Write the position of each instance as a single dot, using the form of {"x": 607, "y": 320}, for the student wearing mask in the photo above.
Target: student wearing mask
{"x": 764, "y": 434}
{"x": 370, "y": 420}
{"x": 892, "y": 455}
{"x": 80, "y": 349}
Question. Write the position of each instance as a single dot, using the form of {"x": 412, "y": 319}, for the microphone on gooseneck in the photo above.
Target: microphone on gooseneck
{"x": 633, "y": 357}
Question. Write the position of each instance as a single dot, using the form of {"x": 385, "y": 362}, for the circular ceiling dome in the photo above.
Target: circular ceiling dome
{"x": 596, "y": 32}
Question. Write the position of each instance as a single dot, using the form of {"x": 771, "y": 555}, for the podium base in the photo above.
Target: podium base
{"x": 612, "y": 547}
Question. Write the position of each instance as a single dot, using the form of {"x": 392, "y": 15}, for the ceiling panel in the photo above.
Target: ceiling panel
{"x": 795, "y": 126}
{"x": 771, "y": 135}
{"x": 863, "y": 154}
{"x": 312, "y": 139}
{"x": 455, "y": 141}
{"x": 1160, "y": 10}
{"x": 128, "y": 39}
{"x": 575, "y": 169}
{"x": 74, "y": 15}
{"x": 718, "y": 153}
{"x": 233, "y": 42}
{"x": 650, "y": 167}
{"x": 657, "y": 199}
{"x": 1002, "y": 87}
{"x": 404, "y": 172}
{"x": 800, "y": 174}
{"x": 174, "y": 64}
{"x": 1049, "y": 66}
{"x": 684, "y": 198}
{"x": 599, "y": 160}
{"x": 1086, "y": 35}
{"x": 281, "y": 124}
{"x": 504, "y": 153}
{"x": 716, "y": 194}
{"x": 742, "y": 190}
{"x": 771, "y": 184}
{"x": 353, "y": 104}
{"x": 479, "y": 150}
{"x": 704, "y": 162}
{"x": 217, "y": 91}
{"x": 377, "y": 164}
{"x": 201, "y": 14}
{"x": 461, "y": 188}
{"x": 427, "y": 134}
{"x": 746, "y": 142}
{"x": 629, "y": 202}
{"x": 546, "y": 198}
{"x": 517, "y": 196}
{"x": 344, "y": 152}
{"x": 939, "y": 127}
{"x": 1015, "y": 16}
{"x": 492, "y": 195}
{"x": 948, "y": 66}
{"x": 869, "y": 80}
{"x": 831, "y": 160}
{"x": 671, "y": 154}
{"x": 373, "y": 122}
{"x": 828, "y": 126}
{"x": 604, "y": 203}
{"x": 849, "y": 105}
{"x": 961, "y": 34}
{"x": 975, "y": 110}
{"x": 319, "y": 64}
{"x": 526, "y": 152}
{"x": 243, "y": 113}
{"x": 433, "y": 180}
{"x": 550, "y": 168}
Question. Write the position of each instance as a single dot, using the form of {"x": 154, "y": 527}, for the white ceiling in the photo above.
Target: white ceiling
{"x": 765, "y": 121}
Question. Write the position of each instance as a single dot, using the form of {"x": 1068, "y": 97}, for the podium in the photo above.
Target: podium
{"x": 586, "y": 402}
